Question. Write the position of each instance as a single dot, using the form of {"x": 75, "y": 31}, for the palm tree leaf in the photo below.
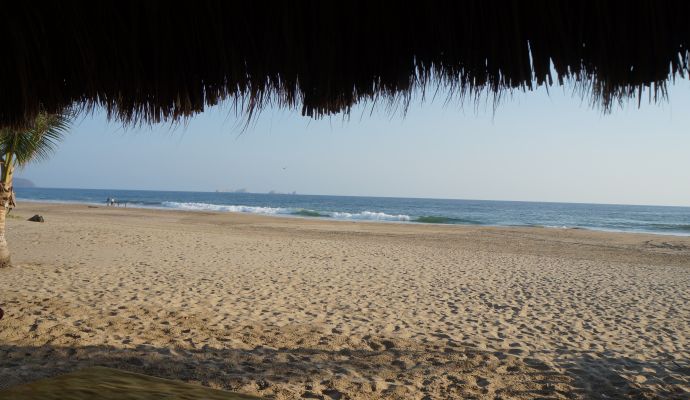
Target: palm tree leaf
{"x": 38, "y": 142}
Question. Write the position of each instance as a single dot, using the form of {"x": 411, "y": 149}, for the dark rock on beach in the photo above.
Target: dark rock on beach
{"x": 37, "y": 218}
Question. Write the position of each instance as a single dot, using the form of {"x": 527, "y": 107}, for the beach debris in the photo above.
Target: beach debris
{"x": 37, "y": 218}
{"x": 2, "y": 313}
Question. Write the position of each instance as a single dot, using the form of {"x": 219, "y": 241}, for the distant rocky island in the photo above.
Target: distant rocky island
{"x": 22, "y": 183}
{"x": 243, "y": 190}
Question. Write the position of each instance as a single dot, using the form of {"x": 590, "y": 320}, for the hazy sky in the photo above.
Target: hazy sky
{"x": 537, "y": 146}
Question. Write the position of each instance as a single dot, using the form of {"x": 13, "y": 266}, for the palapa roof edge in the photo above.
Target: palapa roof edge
{"x": 147, "y": 62}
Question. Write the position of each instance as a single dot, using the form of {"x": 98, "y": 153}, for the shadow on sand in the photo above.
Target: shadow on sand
{"x": 610, "y": 376}
{"x": 392, "y": 371}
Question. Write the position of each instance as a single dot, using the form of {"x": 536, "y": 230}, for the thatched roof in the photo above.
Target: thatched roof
{"x": 147, "y": 61}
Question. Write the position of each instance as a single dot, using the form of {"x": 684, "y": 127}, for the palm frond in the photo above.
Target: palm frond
{"x": 37, "y": 142}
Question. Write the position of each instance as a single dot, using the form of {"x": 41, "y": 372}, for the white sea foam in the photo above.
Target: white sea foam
{"x": 226, "y": 208}
{"x": 370, "y": 215}
{"x": 364, "y": 215}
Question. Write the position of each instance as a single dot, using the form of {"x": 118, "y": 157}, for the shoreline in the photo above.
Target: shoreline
{"x": 327, "y": 218}
{"x": 631, "y": 247}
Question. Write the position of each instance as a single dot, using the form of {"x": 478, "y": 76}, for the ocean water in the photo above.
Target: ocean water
{"x": 626, "y": 218}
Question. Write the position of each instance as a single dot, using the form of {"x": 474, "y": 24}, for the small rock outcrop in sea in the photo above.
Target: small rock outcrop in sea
{"x": 37, "y": 218}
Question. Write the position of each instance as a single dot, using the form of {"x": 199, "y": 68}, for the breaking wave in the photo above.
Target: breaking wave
{"x": 364, "y": 215}
{"x": 431, "y": 219}
{"x": 370, "y": 215}
{"x": 225, "y": 208}
{"x": 310, "y": 213}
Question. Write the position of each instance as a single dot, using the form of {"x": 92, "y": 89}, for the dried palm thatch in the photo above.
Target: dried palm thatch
{"x": 147, "y": 61}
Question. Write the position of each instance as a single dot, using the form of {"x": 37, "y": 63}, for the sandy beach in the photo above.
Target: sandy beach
{"x": 292, "y": 308}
